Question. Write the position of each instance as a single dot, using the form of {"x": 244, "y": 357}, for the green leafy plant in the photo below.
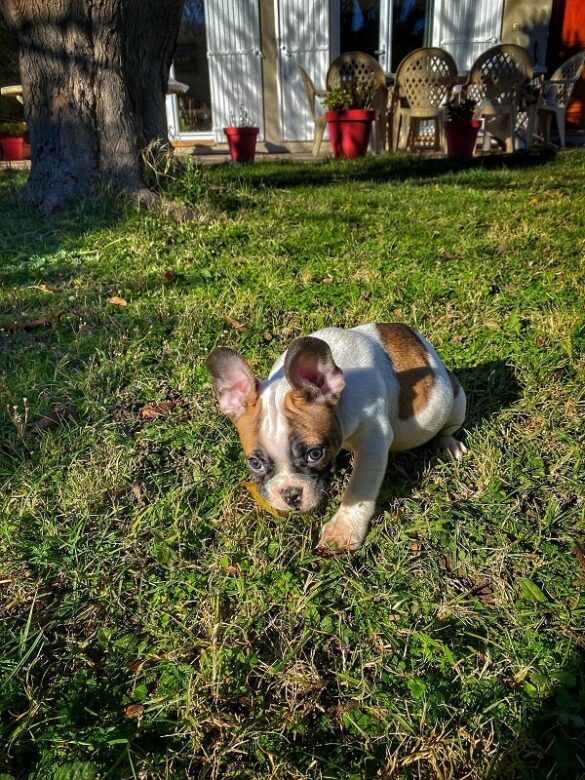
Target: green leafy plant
{"x": 354, "y": 92}
{"x": 12, "y": 129}
{"x": 461, "y": 109}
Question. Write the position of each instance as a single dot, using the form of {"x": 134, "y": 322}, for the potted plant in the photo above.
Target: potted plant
{"x": 349, "y": 116}
{"x": 12, "y": 140}
{"x": 461, "y": 128}
{"x": 241, "y": 136}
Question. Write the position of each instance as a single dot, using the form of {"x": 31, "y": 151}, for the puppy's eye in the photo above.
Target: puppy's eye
{"x": 314, "y": 455}
{"x": 255, "y": 464}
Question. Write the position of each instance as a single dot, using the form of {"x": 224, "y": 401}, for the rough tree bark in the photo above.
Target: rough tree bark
{"x": 94, "y": 76}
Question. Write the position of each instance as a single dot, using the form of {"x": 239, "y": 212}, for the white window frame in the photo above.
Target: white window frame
{"x": 175, "y": 133}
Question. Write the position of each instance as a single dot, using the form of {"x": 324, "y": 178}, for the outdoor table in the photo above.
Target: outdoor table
{"x": 14, "y": 91}
{"x": 174, "y": 87}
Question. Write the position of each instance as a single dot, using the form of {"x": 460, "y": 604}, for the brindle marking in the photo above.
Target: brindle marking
{"x": 410, "y": 360}
{"x": 314, "y": 424}
{"x": 248, "y": 424}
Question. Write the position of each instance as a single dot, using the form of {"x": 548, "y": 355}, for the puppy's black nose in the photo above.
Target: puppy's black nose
{"x": 293, "y": 496}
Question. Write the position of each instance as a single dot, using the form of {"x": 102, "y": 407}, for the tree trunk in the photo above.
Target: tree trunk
{"x": 94, "y": 76}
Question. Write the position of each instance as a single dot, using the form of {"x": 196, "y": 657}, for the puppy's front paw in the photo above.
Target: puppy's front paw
{"x": 339, "y": 535}
{"x": 449, "y": 448}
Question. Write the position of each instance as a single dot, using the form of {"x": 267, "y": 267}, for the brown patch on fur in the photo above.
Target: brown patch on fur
{"x": 312, "y": 423}
{"x": 455, "y": 383}
{"x": 248, "y": 425}
{"x": 410, "y": 360}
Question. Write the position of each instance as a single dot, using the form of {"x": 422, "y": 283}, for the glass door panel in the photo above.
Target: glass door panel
{"x": 411, "y": 28}
{"x": 194, "y": 107}
{"x": 360, "y": 26}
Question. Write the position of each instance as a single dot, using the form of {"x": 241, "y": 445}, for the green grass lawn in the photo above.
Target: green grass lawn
{"x": 154, "y": 623}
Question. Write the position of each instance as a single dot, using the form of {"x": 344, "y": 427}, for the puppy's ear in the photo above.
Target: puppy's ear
{"x": 234, "y": 382}
{"x": 310, "y": 369}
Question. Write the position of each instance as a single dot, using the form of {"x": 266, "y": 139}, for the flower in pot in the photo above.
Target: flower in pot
{"x": 349, "y": 116}
{"x": 461, "y": 128}
{"x": 241, "y": 136}
{"x": 12, "y": 140}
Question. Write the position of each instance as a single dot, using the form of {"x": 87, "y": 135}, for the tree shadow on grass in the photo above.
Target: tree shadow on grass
{"x": 551, "y": 742}
{"x": 381, "y": 169}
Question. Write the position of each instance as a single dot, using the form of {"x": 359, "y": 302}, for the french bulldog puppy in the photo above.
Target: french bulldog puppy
{"x": 370, "y": 390}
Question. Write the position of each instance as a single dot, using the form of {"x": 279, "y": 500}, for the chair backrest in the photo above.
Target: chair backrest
{"x": 355, "y": 64}
{"x": 309, "y": 88}
{"x": 558, "y": 90}
{"x": 425, "y": 78}
{"x": 498, "y": 75}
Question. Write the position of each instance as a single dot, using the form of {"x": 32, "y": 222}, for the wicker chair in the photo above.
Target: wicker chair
{"x": 318, "y": 119}
{"x": 496, "y": 81}
{"x": 423, "y": 85}
{"x": 556, "y": 93}
{"x": 358, "y": 64}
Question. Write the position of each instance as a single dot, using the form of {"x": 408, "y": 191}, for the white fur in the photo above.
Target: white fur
{"x": 368, "y": 415}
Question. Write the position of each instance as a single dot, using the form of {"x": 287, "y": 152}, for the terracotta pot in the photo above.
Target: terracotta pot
{"x": 461, "y": 136}
{"x": 242, "y": 143}
{"x": 12, "y": 147}
{"x": 349, "y": 131}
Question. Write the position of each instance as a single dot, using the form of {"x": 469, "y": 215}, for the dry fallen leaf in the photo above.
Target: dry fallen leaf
{"x": 134, "y": 710}
{"x": 138, "y": 491}
{"x": 579, "y": 553}
{"x": 533, "y": 201}
{"x": 262, "y": 502}
{"x": 235, "y": 324}
{"x": 152, "y": 411}
{"x": 59, "y": 414}
{"x": 43, "y": 322}
{"x": 117, "y": 301}
{"x": 46, "y": 288}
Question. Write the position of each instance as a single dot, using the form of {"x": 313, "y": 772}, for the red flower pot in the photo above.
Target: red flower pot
{"x": 242, "y": 143}
{"x": 349, "y": 131}
{"x": 461, "y": 136}
{"x": 12, "y": 147}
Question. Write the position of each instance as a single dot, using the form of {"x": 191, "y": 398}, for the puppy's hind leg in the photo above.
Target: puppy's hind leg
{"x": 446, "y": 445}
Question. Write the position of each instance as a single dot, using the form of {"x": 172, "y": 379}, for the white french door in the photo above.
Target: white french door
{"x": 235, "y": 62}
{"x": 391, "y": 29}
{"x": 466, "y": 28}
{"x": 302, "y": 29}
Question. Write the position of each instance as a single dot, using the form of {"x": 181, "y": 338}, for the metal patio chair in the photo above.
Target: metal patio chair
{"x": 424, "y": 81}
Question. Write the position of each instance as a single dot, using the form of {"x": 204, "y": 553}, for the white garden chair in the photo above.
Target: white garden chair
{"x": 555, "y": 96}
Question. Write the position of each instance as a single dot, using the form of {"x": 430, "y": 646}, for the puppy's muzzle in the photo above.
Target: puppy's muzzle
{"x": 292, "y": 496}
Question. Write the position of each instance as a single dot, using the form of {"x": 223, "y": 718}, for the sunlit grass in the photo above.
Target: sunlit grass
{"x": 154, "y": 622}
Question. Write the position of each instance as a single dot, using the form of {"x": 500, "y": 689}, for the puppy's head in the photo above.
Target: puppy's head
{"x": 288, "y": 428}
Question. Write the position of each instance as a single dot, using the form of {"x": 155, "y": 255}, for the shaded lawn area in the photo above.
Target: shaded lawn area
{"x": 153, "y": 622}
